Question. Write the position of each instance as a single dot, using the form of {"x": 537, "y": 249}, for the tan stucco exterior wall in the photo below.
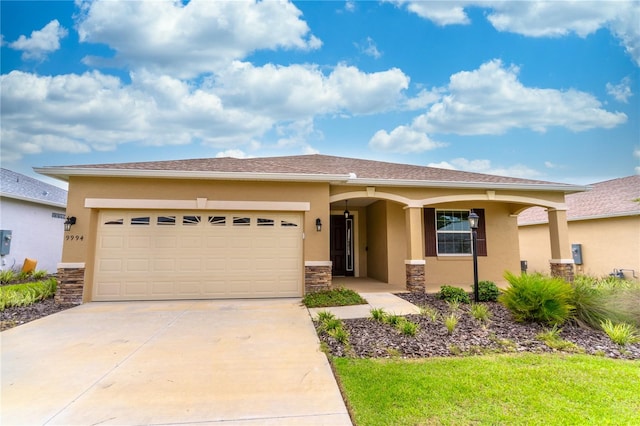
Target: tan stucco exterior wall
{"x": 502, "y": 244}
{"x": 396, "y": 243}
{"x": 377, "y": 241}
{"x": 607, "y": 244}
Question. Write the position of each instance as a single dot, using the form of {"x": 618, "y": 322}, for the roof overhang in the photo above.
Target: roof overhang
{"x": 64, "y": 173}
{"x": 33, "y": 200}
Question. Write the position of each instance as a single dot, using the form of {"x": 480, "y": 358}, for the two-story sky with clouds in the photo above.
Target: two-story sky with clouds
{"x": 546, "y": 90}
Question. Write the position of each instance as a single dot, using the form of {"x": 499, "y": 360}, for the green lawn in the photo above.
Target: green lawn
{"x": 501, "y": 389}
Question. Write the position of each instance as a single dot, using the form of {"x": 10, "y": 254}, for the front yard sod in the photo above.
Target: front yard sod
{"x": 497, "y": 389}
{"x": 335, "y": 297}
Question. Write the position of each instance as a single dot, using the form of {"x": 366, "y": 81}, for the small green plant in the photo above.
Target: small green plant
{"x": 394, "y": 320}
{"x": 378, "y": 314}
{"x": 335, "y": 297}
{"x": 331, "y": 324}
{"x": 453, "y": 294}
{"x": 39, "y": 274}
{"x": 552, "y": 339}
{"x": 393, "y": 352}
{"x": 455, "y": 350}
{"x": 454, "y": 305}
{"x": 325, "y": 315}
{"x": 7, "y": 276}
{"x": 340, "y": 334}
{"x": 621, "y": 333}
{"x": 534, "y": 297}
{"x": 451, "y": 321}
{"x": 408, "y": 328}
{"x": 480, "y": 312}
{"x": 429, "y": 312}
{"x": 488, "y": 291}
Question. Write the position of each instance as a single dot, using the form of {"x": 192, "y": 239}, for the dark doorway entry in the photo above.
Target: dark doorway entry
{"x": 342, "y": 246}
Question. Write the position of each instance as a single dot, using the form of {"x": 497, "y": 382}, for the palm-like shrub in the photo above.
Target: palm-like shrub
{"x": 534, "y": 297}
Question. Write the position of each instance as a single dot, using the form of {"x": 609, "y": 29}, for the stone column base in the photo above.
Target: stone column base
{"x": 70, "y": 284}
{"x": 562, "y": 269}
{"x": 415, "y": 275}
{"x": 317, "y": 276}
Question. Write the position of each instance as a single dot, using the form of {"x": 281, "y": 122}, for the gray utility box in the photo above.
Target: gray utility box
{"x": 576, "y": 251}
{"x": 5, "y": 242}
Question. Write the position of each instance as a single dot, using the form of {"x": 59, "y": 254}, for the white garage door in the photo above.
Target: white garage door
{"x": 144, "y": 255}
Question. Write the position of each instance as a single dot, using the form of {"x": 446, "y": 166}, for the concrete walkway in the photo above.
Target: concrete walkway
{"x": 387, "y": 301}
{"x": 254, "y": 362}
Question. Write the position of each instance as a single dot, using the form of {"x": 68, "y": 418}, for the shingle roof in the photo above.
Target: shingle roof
{"x": 312, "y": 165}
{"x": 607, "y": 199}
{"x": 16, "y": 185}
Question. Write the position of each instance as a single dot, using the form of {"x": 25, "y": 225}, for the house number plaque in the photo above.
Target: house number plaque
{"x": 74, "y": 237}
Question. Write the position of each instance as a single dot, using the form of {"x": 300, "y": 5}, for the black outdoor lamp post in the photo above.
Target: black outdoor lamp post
{"x": 473, "y": 224}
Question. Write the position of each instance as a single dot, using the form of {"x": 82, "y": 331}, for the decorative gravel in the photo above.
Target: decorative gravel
{"x": 372, "y": 339}
{"x": 17, "y": 315}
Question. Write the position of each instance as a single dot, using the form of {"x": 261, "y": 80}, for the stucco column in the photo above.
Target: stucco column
{"x": 561, "y": 259}
{"x": 415, "y": 263}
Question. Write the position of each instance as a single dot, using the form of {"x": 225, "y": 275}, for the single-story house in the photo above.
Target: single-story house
{"x": 603, "y": 226}
{"x": 32, "y": 214}
{"x": 284, "y": 226}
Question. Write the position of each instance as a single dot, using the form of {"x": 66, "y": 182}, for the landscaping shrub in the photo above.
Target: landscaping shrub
{"x": 488, "y": 291}
{"x": 26, "y": 294}
{"x": 534, "y": 297}
{"x": 597, "y": 300}
{"x": 451, "y": 322}
{"x": 621, "y": 333}
{"x": 453, "y": 294}
{"x": 480, "y": 312}
{"x": 590, "y": 304}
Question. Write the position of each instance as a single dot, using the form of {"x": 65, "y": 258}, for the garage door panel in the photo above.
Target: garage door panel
{"x": 137, "y": 265}
{"x": 139, "y": 242}
{"x": 111, "y": 242}
{"x": 157, "y": 255}
{"x": 135, "y": 288}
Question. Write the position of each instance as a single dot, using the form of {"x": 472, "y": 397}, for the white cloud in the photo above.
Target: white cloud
{"x": 233, "y": 153}
{"x": 440, "y": 12}
{"x": 237, "y": 107}
{"x": 550, "y": 165}
{"x": 299, "y": 91}
{"x": 93, "y": 111}
{"x": 41, "y": 42}
{"x": 423, "y": 99}
{"x": 622, "y": 91}
{"x": 369, "y": 48}
{"x": 491, "y": 100}
{"x": 404, "y": 140}
{"x": 190, "y": 39}
{"x": 350, "y": 5}
{"x": 485, "y": 166}
{"x": 544, "y": 18}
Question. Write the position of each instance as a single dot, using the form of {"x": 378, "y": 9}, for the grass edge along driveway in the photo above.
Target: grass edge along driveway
{"x": 498, "y": 389}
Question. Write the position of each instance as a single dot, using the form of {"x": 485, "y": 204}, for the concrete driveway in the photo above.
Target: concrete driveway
{"x": 181, "y": 362}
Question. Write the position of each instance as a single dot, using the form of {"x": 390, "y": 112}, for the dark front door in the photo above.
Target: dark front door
{"x": 341, "y": 245}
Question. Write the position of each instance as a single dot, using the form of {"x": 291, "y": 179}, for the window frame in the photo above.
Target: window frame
{"x": 431, "y": 239}
{"x": 459, "y": 232}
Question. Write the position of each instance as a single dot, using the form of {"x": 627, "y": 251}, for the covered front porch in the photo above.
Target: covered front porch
{"x": 367, "y": 285}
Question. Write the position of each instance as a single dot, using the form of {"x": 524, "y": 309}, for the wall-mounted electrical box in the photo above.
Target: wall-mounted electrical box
{"x": 5, "y": 242}
{"x": 576, "y": 251}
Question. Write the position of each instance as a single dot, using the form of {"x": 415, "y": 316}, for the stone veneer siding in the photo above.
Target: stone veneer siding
{"x": 317, "y": 278}
{"x": 563, "y": 270}
{"x": 415, "y": 278}
{"x": 70, "y": 286}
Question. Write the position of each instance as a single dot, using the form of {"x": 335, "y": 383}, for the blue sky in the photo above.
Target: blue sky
{"x": 540, "y": 90}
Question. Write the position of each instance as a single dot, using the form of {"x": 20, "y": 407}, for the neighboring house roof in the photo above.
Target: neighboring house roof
{"x": 611, "y": 198}
{"x": 21, "y": 187}
{"x": 309, "y": 168}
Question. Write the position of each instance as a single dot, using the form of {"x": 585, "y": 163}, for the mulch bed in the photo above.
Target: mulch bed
{"x": 18, "y": 315}
{"x": 372, "y": 339}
